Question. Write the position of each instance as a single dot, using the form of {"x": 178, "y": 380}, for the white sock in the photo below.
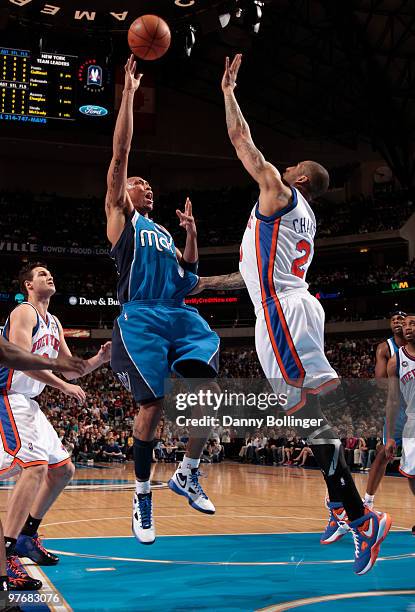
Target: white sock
{"x": 368, "y": 498}
{"x": 142, "y": 486}
{"x": 189, "y": 464}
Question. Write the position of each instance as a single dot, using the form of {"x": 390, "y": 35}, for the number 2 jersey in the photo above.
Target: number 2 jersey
{"x": 45, "y": 342}
{"x": 276, "y": 251}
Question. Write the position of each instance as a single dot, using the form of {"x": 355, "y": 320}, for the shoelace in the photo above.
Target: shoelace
{"x": 39, "y": 544}
{"x": 356, "y": 542}
{"x": 17, "y": 567}
{"x": 196, "y": 485}
{"x": 145, "y": 507}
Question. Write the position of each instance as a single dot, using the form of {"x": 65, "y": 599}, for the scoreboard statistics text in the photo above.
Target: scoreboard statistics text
{"x": 38, "y": 87}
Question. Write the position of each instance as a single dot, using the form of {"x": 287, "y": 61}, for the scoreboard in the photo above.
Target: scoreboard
{"x": 36, "y": 88}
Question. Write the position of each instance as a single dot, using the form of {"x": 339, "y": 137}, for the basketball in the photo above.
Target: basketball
{"x": 149, "y": 37}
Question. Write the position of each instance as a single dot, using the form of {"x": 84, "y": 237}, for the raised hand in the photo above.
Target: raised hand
{"x": 132, "y": 81}
{"x": 186, "y": 218}
{"x": 104, "y": 352}
{"x": 231, "y": 73}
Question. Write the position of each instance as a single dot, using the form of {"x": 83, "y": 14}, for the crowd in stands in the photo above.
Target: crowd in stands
{"x": 101, "y": 429}
{"x": 103, "y": 281}
{"x": 29, "y": 218}
{"x": 381, "y": 212}
{"x": 347, "y": 276}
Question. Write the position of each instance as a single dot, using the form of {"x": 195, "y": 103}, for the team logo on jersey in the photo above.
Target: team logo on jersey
{"x": 124, "y": 380}
{"x": 404, "y": 364}
{"x": 151, "y": 238}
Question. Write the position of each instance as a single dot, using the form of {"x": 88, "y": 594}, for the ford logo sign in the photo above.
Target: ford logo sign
{"x": 93, "y": 111}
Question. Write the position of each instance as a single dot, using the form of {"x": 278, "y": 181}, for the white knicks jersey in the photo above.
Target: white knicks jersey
{"x": 405, "y": 370}
{"x": 276, "y": 251}
{"x": 45, "y": 342}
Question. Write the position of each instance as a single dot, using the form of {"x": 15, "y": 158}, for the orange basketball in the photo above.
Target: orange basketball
{"x": 149, "y": 37}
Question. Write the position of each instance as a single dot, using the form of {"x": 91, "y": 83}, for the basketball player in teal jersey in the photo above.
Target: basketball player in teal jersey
{"x": 384, "y": 352}
{"x": 156, "y": 333}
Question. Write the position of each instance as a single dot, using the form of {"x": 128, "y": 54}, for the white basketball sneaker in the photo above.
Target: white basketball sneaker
{"x": 142, "y": 522}
{"x": 186, "y": 482}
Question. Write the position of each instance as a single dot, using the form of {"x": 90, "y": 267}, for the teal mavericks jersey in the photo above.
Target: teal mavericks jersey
{"x": 147, "y": 265}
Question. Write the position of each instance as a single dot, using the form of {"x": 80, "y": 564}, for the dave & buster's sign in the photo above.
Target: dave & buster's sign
{"x": 74, "y": 300}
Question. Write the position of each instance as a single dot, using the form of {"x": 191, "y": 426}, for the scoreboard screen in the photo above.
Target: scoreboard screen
{"x": 39, "y": 87}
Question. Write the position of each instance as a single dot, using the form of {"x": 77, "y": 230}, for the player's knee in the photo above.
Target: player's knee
{"x": 411, "y": 483}
{"x": 147, "y": 419}
{"x": 35, "y": 473}
{"x": 63, "y": 473}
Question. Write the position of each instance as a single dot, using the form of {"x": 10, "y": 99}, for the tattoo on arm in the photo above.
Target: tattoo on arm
{"x": 225, "y": 281}
{"x": 234, "y": 116}
{"x": 240, "y": 136}
{"x": 247, "y": 149}
{"x": 113, "y": 184}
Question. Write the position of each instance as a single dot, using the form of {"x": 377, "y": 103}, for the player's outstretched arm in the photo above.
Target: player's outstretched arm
{"x": 224, "y": 282}
{"x": 392, "y": 406}
{"x": 91, "y": 364}
{"x": 117, "y": 203}
{"x": 12, "y": 356}
{"x": 266, "y": 175}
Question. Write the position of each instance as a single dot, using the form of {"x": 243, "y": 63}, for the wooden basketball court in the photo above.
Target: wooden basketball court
{"x": 260, "y": 551}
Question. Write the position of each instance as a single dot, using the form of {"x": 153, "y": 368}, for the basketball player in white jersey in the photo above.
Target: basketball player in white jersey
{"x": 11, "y": 356}
{"x": 385, "y": 350}
{"x": 401, "y": 379}
{"x": 29, "y": 444}
{"x": 276, "y": 252}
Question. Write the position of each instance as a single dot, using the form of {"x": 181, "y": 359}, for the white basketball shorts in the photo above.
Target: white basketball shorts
{"x": 289, "y": 339}
{"x": 27, "y": 437}
{"x": 407, "y": 466}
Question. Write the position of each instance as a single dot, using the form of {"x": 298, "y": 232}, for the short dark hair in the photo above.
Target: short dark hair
{"x": 318, "y": 178}
{"x": 410, "y": 314}
{"x": 26, "y": 273}
{"x": 398, "y": 313}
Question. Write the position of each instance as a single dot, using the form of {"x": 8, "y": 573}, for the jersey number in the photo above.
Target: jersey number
{"x": 302, "y": 247}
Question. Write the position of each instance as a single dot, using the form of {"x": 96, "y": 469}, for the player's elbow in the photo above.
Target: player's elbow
{"x": 238, "y": 136}
{"x": 120, "y": 150}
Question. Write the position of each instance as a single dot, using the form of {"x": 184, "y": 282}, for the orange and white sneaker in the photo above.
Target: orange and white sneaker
{"x": 336, "y": 526}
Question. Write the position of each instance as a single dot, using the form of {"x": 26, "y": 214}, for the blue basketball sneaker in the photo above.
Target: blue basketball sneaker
{"x": 186, "y": 482}
{"x": 31, "y": 547}
{"x": 19, "y": 579}
{"x": 336, "y": 527}
{"x": 368, "y": 533}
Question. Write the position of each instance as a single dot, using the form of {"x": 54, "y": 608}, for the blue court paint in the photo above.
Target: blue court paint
{"x": 211, "y": 583}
